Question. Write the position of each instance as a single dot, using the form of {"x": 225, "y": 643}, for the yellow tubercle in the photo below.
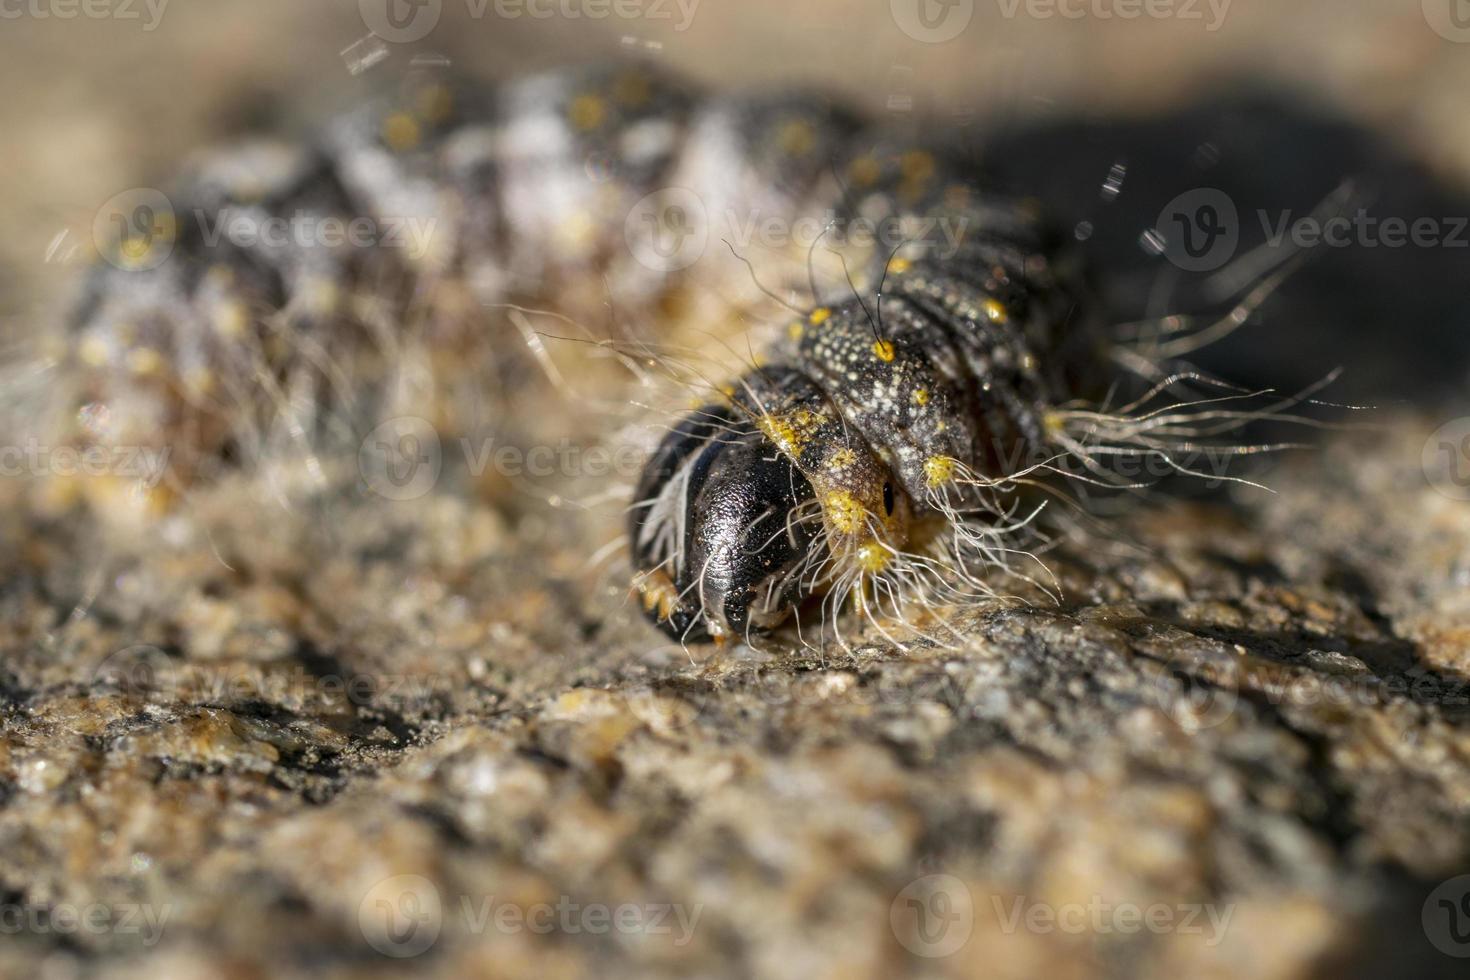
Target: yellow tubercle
{"x": 883, "y": 350}
{"x": 820, "y": 316}
{"x": 144, "y": 361}
{"x": 864, "y": 171}
{"x": 401, "y": 132}
{"x": 917, "y": 165}
{"x": 844, "y": 511}
{"x": 782, "y": 432}
{"x": 939, "y": 470}
{"x": 996, "y": 311}
{"x": 921, "y": 396}
{"x": 796, "y": 138}
{"x": 587, "y": 112}
{"x": 872, "y": 557}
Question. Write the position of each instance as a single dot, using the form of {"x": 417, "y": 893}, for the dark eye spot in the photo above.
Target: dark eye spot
{"x": 888, "y": 499}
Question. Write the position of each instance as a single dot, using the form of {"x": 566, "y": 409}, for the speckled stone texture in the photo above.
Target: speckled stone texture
{"x": 302, "y": 742}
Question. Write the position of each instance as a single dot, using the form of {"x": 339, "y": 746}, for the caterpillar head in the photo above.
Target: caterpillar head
{"x": 739, "y": 520}
{"x": 716, "y": 535}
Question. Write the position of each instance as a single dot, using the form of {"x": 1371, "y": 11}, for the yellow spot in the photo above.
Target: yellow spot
{"x": 921, "y": 396}
{"x": 995, "y": 311}
{"x": 587, "y": 112}
{"x": 883, "y": 350}
{"x": 841, "y": 459}
{"x": 795, "y": 330}
{"x": 322, "y": 296}
{"x": 230, "y": 319}
{"x": 796, "y": 138}
{"x": 783, "y": 433}
{"x": 134, "y": 251}
{"x": 401, "y": 132}
{"x": 900, "y": 265}
{"x": 805, "y": 418}
{"x": 820, "y": 316}
{"x": 144, "y": 361}
{"x": 728, "y": 391}
{"x": 1053, "y": 422}
{"x": 844, "y": 512}
{"x": 576, "y": 231}
{"x": 94, "y": 352}
{"x": 199, "y": 380}
{"x": 657, "y": 592}
{"x": 632, "y": 89}
{"x": 435, "y": 103}
{"x": 864, "y": 171}
{"x": 917, "y": 166}
{"x": 939, "y": 470}
{"x": 872, "y": 557}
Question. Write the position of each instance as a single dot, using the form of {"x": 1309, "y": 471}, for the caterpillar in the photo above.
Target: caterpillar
{"x": 201, "y": 331}
{"x": 879, "y": 453}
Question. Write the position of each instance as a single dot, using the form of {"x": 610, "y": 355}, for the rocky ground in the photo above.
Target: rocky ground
{"x": 322, "y": 743}
{"x": 340, "y": 735}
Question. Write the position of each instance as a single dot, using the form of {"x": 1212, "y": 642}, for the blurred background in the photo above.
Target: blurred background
{"x": 1107, "y": 109}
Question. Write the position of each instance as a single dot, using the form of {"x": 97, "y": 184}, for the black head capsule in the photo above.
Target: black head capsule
{"x": 718, "y": 549}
